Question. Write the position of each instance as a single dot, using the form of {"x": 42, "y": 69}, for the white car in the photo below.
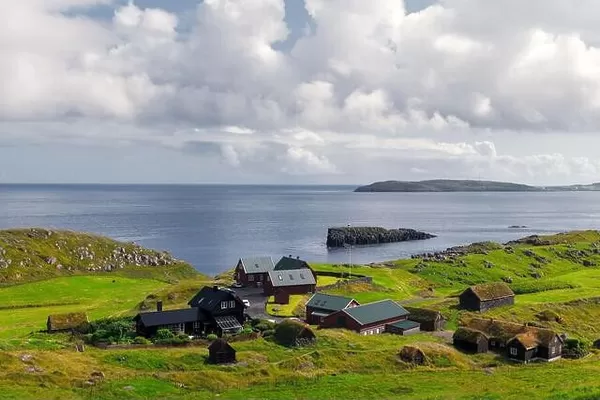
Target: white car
{"x": 237, "y": 285}
{"x": 246, "y": 303}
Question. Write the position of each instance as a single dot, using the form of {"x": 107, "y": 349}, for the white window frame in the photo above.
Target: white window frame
{"x": 177, "y": 328}
{"x": 232, "y": 304}
{"x": 250, "y": 278}
{"x": 514, "y": 351}
{"x": 223, "y": 305}
{"x": 197, "y": 325}
{"x": 259, "y": 277}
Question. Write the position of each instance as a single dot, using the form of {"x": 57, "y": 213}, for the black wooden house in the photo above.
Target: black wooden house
{"x": 485, "y": 296}
{"x": 212, "y": 310}
{"x": 470, "y": 340}
{"x": 221, "y": 352}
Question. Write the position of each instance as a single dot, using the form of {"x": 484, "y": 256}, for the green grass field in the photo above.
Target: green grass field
{"x": 557, "y": 275}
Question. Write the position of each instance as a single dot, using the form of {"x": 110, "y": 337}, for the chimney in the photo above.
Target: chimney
{"x": 159, "y": 305}
{"x": 216, "y": 288}
{"x": 297, "y": 257}
{"x": 290, "y": 256}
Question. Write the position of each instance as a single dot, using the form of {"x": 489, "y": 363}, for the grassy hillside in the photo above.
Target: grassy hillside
{"x": 36, "y": 254}
{"x": 556, "y": 278}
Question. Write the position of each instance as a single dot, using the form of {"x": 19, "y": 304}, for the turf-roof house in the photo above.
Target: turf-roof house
{"x": 320, "y": 305}
{"x": 470, "y": 340}
{"x": 77, "y": 322}
{"x": 221, "y": 352}
{"x": 253, "y": 271}
{"x": 367, "y": 319}
{"x": 430, "y": 320}
{"x": 520, "y": 342}
{"x": 212, "y": 310}
{"x": 487, "y": 295}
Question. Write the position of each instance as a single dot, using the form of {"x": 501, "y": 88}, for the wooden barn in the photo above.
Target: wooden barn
{"x": 221, "y": 352}
{"x": 430, "y": 320}
{"x": 320, "y": 305}
{"x": 70, "y": 322}
{"x": 284, "y": 283}
{"x": 470, "y": 340}
{"x": 487, "y": 295}
{"x": 253, "y": 271}
{"x": 367, "y": 319}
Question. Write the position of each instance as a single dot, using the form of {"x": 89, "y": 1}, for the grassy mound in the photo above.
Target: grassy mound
{"x": 36, "y": 254}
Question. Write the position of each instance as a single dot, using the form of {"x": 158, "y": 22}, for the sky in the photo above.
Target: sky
{"x": 299, "y": 91}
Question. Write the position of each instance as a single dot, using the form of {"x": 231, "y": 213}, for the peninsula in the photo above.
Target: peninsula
{"x": 451, "y": 185}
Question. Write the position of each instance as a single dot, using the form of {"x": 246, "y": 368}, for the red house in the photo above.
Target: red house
{"x": 320, "y": 305}
{"x": 253, "y": 271}
{"x": 282, "y": 284}
{"x": 367, "y": 319}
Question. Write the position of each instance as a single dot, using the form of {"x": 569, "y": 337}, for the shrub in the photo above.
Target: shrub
{"x": 112, "y": 330}
{"x": 164, "y": 334}
{"x": 268, "y": 333}
{"x": 264, "y": 326}
{"x": 293, "y": 333}
{"x": 247, "y": 330}
{"x": 212, "y": 336}
{"x": 575, "y": 348}
{"x": 141, "y": 340}
{"x": 173, "y": 340}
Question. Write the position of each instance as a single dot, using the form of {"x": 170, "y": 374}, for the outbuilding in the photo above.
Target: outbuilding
{"x": 485, "y": 296}
{"x": 430, "y": 320}
{"x": 320, "y": 305}
{"x": 221, "y": 352}
{"x": 470, "y": 340}
{"x": 367, "y": 319}
{"x": 403, "y": 328}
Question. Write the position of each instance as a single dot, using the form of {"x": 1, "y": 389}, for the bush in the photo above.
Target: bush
{"x": 164, "y": 334}
{"x": 264, "y": 326}
{"x": 575, "y": 348}
{"x": 112, "y": 330}
{"x": 212, "y": 336}
{"x": 247, "y": 330}
{"x": 268, "y": 333}
{"x": 173, "y": 340}
{"x": 293, "y": 333}
{"x": 141, "y": 340}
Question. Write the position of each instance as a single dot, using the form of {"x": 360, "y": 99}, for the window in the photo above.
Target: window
{"x": 232, "y": 304}
{"x": 250, "y": 278}
{"x": 197, "y": 326}
{"x": 259, "y": 278}
{"x": 280, "y": 277}
{"x": 551, "y": 349}
{"x": 177, "y": 328}
{"x": 291, "y": 277}
{"x": 493, "y": 343}
{"x": 513, "y": 351}
{"x": 223, "y": 305}
{"x": 301, "y": 275}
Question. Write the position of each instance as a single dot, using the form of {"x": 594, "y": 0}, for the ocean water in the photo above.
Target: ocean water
{"x": 212, "y": 226}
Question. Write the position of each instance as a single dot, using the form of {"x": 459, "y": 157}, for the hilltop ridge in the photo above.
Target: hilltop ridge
{"x": 35, "y": 254}
{"x": 453, "y": 185}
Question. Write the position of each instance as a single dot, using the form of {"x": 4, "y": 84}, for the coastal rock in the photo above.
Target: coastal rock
{"x": 339, "y": 237}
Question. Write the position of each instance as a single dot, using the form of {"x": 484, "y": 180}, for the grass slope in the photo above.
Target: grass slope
{"x": 36, "y": 254}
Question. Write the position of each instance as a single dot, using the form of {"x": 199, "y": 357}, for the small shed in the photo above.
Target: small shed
{"x": 221, "y": 352}
{"x": 487, "y": 295}
{"x": 294, "y": 333}
{"x": 75, "y": 322}
{"x": 430, "y": 320}
{"x": 470, "y": 340}
{"x": 412, "y": 355}
{"x": 403, "y": 328}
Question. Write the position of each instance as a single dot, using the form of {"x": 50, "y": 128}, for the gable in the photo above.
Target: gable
{"x": 210, "y": 298}
{"x": 491, "y": 291}
{"x": 289, "y": 263}
{"x": 329, "y": 302}
{"x": 377, "y": 311}
{"x": 257, "y": 265}
{"x": 292, "y": 278}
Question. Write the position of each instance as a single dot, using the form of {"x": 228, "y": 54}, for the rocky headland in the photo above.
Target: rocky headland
{"x": 365, "y": 235}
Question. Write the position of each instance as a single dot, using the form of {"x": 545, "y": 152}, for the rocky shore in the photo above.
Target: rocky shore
{"x": 365, "y": 235}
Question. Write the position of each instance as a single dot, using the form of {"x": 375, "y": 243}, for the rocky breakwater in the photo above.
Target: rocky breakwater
{"x": 365, "y": 235}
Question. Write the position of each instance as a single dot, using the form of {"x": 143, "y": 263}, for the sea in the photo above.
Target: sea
{"x": 212, "y": 226}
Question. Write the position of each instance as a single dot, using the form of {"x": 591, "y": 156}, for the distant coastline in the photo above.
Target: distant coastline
{"x": 450, "y": 185}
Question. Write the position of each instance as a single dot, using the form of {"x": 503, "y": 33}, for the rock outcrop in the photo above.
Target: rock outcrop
{"x": 339, "y": 237}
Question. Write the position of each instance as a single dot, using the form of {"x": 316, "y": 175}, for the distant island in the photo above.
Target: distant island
{"x": 450, "y": 185}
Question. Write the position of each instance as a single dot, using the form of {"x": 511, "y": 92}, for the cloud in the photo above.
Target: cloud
{"x": 370, "y": 82}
